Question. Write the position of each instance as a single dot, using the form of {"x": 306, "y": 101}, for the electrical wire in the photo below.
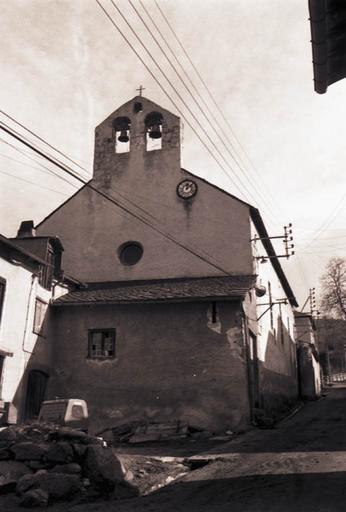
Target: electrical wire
{"x": 106, "y": 196}
{"x": 2, "y": 123}
{"x": 42, "y": 140}
{"x": 76, "y": 176}
{"x": 33, "y": 160}
{"x": 194, "y": 99}
{"x": 210, "y": 94}
{"x": 317, "y": 233}
{"x": 115, "y": 191}
{"x": 33, "y": 183}
{"x": 176, "y": 92}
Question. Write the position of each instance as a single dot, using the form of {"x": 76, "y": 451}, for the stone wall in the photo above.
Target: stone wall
{"x": 172, "y": 362}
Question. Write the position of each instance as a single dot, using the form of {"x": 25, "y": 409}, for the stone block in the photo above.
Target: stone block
{"x": 73, "y": 436}
{"x": 125, "y": 490}
{"x": 79, "y": 450}
{"x": 103, "y": 468}
{"x": 8, "y": 436}
{"x": 5, "y": 454}
{"x": 59, "y": 452}
{"x": 29, "y": 481}
{"x": 10, "y": 472}
{"x": 35, "y": 498}
{"x": 69, "y": 469}
{"x": 28, "y": 450}
{"x": 58, "y": 486}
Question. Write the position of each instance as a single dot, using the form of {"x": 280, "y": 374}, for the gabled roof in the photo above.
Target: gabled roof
{"x": 256, "y": 218}
{"x": 139, "y": 99}
{"x": 262, "y": 231}
{"x": 168, "y": 290}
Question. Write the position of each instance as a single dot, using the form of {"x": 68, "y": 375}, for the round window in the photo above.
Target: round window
{"x": 130, "y": 253}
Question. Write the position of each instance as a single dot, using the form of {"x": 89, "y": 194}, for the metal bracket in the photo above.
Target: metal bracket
{"x": 270, "y": 304}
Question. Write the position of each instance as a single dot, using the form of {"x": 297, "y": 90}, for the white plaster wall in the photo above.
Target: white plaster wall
{"x": 266, "y": 273}
{"x": 16, "y": 328}
{"x": 317, "y": 375}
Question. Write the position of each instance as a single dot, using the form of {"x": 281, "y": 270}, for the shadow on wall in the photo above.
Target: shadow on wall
{"x": 32, "y": 387}
{"x": 277, "y": 374}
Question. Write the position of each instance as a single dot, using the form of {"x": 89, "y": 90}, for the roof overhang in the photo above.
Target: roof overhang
{"x": 228, "y": 288}
{"x": 328, "y": 39}
{"x": 21, "y": 254}
{"x": 259, "y": 225}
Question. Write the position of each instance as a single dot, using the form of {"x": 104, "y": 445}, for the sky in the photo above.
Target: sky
{"x": 281, "y": 146}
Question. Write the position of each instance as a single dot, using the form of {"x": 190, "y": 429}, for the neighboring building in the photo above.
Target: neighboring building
{"x": 27, "y": 284}
{"x": 308, "y": 356}
{"x": 168, "y": 326}
{"x": 331, "y": 337}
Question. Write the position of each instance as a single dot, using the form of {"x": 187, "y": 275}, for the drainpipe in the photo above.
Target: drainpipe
{"x": 33, "y": 277}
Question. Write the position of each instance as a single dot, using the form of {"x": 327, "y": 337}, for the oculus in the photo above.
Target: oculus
{"x": 130, "y": 253}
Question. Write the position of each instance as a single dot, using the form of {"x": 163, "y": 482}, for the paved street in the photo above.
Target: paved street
{"x": 298, "y": 467}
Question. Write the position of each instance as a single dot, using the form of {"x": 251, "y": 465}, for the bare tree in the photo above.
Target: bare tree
{"x": 333, "y": 283}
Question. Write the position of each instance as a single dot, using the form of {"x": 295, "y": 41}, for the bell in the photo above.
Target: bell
{"x": 123, "y": 137}
{"x": 155, "y": 132}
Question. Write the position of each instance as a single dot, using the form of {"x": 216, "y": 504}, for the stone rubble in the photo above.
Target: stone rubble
{"x": 136, "y": 432}
{"x": 46, "y": 463}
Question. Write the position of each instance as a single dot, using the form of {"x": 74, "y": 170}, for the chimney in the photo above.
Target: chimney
{"x": 26, "y": 229}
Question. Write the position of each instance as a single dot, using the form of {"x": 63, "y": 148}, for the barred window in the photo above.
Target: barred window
{"x": 101, "y": 344}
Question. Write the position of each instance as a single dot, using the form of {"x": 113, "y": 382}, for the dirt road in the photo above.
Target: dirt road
{"x": 298, "y": 467}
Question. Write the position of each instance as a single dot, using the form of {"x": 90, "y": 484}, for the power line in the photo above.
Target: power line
{"x": 244, "y": 173}
{"x": 42, "y": 140}
{"x": 106, "y": 196}
{"x": 64, "y": 179}
{"x": 33, "y": 160}
{"x": 76, "y": 176}
{"x": 317, "y": 233}
{"x": 2, "y": 123}
{"x": 33, "y": 183}
{"x": 207, "y": 89}
{"x": 175, "y": 90}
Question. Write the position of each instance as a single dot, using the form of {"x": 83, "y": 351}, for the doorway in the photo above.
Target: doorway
{"x": 253, "y": 372}
{"x": 35, "y": 393}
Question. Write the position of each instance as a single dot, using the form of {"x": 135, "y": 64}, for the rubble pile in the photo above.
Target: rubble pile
{"x": 143, "y": 431}
{"x": 44, "y": 463}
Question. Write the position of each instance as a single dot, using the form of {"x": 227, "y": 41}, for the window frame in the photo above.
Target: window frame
{"x": 37, "y": 329}
{"x": 110, "y": 333}
{"x": 47, "y": 271}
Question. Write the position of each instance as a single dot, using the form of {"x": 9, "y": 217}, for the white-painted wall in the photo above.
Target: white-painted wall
{"x": 17, "y": 320}
{"x": 286, "y": 364}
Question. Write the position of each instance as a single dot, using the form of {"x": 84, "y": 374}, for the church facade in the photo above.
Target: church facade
{"x": 173, "y": 319}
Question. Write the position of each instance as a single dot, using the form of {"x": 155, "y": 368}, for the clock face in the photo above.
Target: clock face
{"x": 187, "y": 189}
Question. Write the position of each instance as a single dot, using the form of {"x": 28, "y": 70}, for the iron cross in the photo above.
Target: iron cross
{"x": 140, "y": 89}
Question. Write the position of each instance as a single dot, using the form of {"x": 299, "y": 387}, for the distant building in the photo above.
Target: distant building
{"x": 187, "y": 313}
{"x": 331, "y": 336}
{"x": 308, "y": 356}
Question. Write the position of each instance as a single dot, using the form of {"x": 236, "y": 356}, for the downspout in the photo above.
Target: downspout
{"x": 33, "y": 277}
{"x": 248, "y": 372}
